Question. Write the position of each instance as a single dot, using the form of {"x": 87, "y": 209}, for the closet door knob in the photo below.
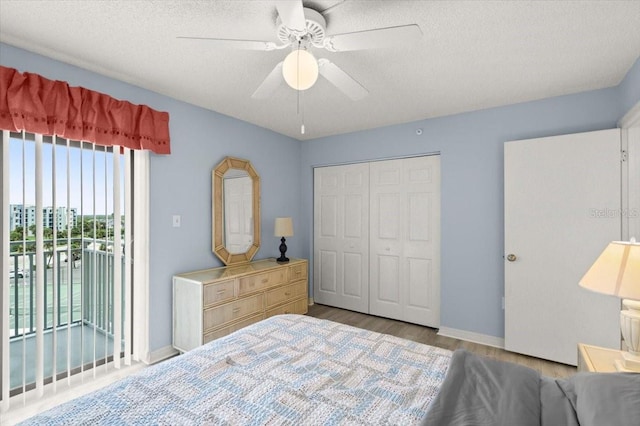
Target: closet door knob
{"x": 511, "y": 257}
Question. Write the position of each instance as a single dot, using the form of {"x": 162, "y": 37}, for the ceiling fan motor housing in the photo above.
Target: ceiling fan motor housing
{"x": 314, "y": 32}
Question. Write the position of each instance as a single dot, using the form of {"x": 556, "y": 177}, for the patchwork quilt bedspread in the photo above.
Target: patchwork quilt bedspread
{"x": 285, "y": 370}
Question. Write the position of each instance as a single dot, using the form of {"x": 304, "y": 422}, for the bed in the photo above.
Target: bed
{"x": 285, "y": 370}
{"x": 299, "y": 370}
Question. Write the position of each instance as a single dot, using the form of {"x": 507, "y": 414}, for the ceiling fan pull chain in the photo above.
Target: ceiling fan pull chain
{"x": 298, "y": 77}
{"x": 300, "y": 102}
{"x": 302, "y": 108}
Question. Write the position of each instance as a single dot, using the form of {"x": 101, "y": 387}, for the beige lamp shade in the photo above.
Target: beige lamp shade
{"x": 283, "y": 227}
{"x": 616, "y": 271}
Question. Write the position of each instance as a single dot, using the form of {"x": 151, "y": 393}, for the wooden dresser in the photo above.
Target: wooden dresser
{"x": 212, "y": 303}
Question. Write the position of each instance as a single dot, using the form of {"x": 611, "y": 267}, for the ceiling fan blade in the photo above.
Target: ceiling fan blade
{"x": 372, "y": 39}
{"x": 270, "y": 84}
{"x": 331, "y": 8}
{"x": 341, "y": 80}
{"x": 238, "y": 44}
{"x": 292, "y": 14}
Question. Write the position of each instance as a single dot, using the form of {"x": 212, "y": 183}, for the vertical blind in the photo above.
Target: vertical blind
{"x": 67, "y": 298}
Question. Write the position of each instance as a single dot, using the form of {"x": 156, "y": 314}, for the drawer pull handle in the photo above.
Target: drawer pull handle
{"x": 287, "y": 294}
{"x": 287, "y": 312}
{"x": 236, "y": 310}
{"x": 265, "y": 280}
{"x": 222, "y": 290}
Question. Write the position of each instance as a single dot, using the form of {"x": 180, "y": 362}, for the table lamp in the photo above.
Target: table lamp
{"x": 283, "y": 228}
{"x": 617, "y": 272}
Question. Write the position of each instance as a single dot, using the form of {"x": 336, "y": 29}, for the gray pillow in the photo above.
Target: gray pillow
{"x": 555, "y": 408}
{"x": 611, "y": 399}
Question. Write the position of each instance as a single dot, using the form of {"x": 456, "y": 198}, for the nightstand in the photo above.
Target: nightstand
{"x": 597, "y": 359}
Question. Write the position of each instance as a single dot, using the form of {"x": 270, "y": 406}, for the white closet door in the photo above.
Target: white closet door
{"x": 405, "y": 239}
{"x": 341, "y": 236}
{"x": 562, "y": 207}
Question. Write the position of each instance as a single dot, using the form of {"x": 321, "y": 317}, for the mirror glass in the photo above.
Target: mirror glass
{"x": 236, "y": 211}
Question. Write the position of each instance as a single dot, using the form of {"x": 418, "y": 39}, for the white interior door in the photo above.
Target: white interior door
{"x": 405, "y": 239}
{"x": 341, "y": 236}
{"x": 633, "y": 188}
{"x": 561, "y": 198}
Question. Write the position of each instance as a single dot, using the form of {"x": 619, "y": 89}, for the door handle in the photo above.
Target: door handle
{"x": 511, "y": 257}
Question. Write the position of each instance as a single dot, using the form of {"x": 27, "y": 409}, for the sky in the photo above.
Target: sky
{"x": 81, "y": 177}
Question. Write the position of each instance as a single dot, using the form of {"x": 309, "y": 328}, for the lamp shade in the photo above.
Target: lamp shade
{"x": 300, "y": 69}
{"x": 283, "y": 227}
{"x": 616, "y": 271}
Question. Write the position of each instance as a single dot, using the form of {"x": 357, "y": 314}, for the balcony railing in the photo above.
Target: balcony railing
{"x": 83, "y": 284}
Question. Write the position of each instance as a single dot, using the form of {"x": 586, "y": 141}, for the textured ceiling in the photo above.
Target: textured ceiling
{"x": 472, "y": 55}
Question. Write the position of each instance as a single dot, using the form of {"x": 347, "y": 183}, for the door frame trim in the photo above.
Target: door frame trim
{"x": 630, "y": 166}
{"x": 401, "y": 157}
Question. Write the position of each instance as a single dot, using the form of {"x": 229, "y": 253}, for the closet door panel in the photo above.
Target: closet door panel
{"x": 341, "y": 236}
{"x": 388, "y": 288}
{"x": 328, "y": 272}
{"x": 386, "y": 238}
{"x": 422, "y": 243}
{"x": 353, "y": 265}
{"x": 329, "y": 216}
{"x": 405, "y": 223}
{"x": 419, "y": 295}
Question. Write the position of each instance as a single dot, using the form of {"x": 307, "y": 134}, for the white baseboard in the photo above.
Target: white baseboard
{"x": 161, "y": 354}
{"x": 470, "y": 336}
{"x": 311, "y": 301}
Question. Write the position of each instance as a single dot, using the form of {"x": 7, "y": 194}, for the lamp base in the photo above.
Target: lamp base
{"x": 283, "y": 250}
{"x": 630, "y": 328}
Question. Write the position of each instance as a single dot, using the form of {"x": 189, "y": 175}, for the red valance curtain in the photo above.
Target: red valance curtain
{"x": 33, "y": 103}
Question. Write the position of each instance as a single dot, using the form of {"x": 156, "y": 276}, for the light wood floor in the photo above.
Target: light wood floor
{"x": 429, "y": 336}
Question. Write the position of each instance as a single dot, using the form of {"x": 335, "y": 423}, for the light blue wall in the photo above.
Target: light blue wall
{"x": 471, "y": 148}
{"x": 630, "y": 87}
{"x": 181, "y": 182}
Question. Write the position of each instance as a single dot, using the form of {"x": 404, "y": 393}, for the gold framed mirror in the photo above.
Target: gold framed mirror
{"x": 235, "y": 211}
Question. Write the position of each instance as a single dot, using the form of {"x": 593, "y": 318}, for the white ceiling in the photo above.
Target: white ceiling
{"x": 472, "y": 55}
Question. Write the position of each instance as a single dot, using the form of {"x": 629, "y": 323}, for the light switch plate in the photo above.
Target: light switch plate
{"x": 176, "y": 221}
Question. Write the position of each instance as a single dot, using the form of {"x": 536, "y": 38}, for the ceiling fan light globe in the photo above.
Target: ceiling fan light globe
{"x": 300, "y": 69}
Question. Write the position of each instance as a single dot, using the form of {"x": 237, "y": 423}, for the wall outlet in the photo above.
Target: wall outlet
{"x": 176, "y": 221}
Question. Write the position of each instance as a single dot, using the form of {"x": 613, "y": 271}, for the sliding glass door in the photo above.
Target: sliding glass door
{"x": 67, "y": 290}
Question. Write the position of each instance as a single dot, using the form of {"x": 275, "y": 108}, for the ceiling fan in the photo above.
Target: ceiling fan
{"x": 300, "y": 28}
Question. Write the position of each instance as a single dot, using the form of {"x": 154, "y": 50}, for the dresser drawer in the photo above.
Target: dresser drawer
{"x": 220, "y": 315}
{"x": 261, "y": 281}
{"x": 218, "y": 292}
{"x": 231, "y": 328}
{"x": 297, "y": 307}
{"x": 286, "y": 293}
{"x": 298, "y": 272}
